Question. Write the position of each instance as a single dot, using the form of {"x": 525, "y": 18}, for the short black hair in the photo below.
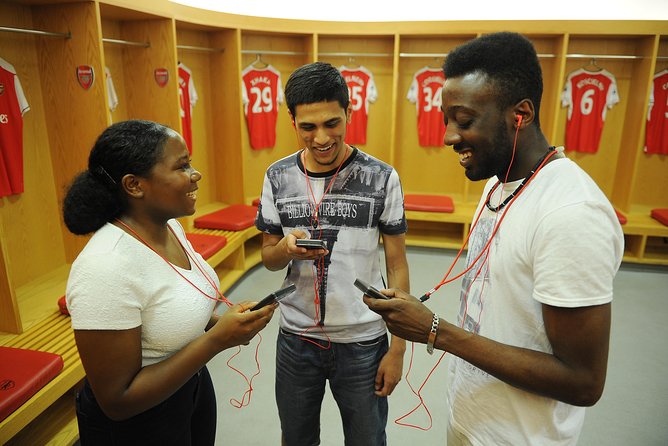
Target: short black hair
{"x": 316, "y": 82}
{"x": 508, "y": 59}
{"x": 95, "y": 196}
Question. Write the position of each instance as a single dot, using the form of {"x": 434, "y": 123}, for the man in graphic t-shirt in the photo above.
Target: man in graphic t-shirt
{"x": 334, "y": 192}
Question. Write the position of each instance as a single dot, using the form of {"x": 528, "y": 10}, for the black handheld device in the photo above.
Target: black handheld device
{"x": 275, "y": 296}
{"x": 369, "y": 290}
{"x": 310, "y": 243}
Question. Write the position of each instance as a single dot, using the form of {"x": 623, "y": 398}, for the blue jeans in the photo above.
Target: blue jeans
{"x": 301, "y": 371}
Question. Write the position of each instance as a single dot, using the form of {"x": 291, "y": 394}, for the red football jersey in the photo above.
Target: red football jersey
{"x": 187, "y": 100}
{"x": 362, "y": 91}
{"x": 261, "y": 93}
{"x": 656, "y": 134}
{"x": 588, "y": 96}
{"x": 13, "y": 105}
{"x": 425, "y": 92}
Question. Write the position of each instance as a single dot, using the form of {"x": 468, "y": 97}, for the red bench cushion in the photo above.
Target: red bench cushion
{"x": 22, "y": 374}
{"x": 621, "y": 217}
{"x": 428, "y": 203}
{"x": 660, "y": 215}
{"x": 232, "y": 218}
{"x": 62, "y": 306}
{"x": 206, "y": 244}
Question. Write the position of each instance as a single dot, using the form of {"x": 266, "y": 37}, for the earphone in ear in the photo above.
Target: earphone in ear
{"x": 519, "y": 119}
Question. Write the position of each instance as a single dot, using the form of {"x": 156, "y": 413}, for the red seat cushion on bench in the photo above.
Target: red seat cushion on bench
{"x": 661, "y": 215}
{"x": 621, "y": 217}
{"x": 62, "y": 306}
{"x": 428, "y": 203}
{"x": 22, "y": 374}
{"x": 206, "y": 244}
{"x": 232, "y": 218}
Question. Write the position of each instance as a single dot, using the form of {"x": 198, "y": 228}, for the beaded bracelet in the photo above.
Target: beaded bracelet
{"x": 432, "y": 334}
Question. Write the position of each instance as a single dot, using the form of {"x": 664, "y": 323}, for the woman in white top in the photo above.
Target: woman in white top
{"x": 142, "y": 300}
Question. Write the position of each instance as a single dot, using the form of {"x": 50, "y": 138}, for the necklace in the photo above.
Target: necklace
{"x": 218, "y": 295}
{"x": 315, "y": 222}
{"x": 539, "y": 165}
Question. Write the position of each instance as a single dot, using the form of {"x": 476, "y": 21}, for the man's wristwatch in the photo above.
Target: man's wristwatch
{"x": 432, "y": 334}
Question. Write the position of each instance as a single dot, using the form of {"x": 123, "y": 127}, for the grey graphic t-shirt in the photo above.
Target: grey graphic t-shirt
{"x": 364, "y": 200}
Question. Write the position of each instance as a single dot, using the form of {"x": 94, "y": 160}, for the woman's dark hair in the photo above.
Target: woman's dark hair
{"x": 96, "y": 197}
{"x": 508, "y": 59}
{"x": 316, "y": 82}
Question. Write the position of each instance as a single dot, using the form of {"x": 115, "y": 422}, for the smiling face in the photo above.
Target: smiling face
{"x": 321, "y": 128}
{"x": 476, "y": 128}
{"x": 170, "y": 189}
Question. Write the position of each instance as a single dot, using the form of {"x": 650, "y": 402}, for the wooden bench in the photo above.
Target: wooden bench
{"x": 50, "y": 413}
{"x": 241, "y": 253}
{"x": 440, "y": 229}
{"x": 645, "y": 239}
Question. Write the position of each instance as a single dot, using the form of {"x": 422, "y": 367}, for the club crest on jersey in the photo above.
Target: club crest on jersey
{"x": 161, "y": 76}
{"x": 85, "y": 76}
{"x": 2, "y": 88}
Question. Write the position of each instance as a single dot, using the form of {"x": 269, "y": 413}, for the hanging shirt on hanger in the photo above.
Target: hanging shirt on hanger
{"x": 656, "y": 136}
{"x": 187, "y": 100}
{"x": 362, "y": 91}
{"x": 112, "y": 99}
{"x": 13, "y": 105}
{"x": 262, "y": 92}
{"x": 425, "y": 93}
{"x": 588, "y": 96}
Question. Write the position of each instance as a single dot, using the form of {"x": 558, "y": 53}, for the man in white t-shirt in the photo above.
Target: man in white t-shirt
{"x": 531, "y": 341}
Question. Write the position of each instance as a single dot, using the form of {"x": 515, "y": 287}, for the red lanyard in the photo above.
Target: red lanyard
{"x": 217, "y": 297}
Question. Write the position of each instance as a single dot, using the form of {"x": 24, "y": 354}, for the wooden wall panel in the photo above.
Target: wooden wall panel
{"x": 227, "y": 117}
{"x": 81, "y": 114}
{"x": 145, "y": 98}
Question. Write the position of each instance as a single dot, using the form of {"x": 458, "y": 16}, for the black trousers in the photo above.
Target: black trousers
{"x": 187, "y": 418}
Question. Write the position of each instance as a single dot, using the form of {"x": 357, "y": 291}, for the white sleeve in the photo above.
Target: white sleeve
{"x": 280, "y": 98}
{"x": 393, "y": 220}
{"x": 413, "y": 91}
{"x": 192, "y": 92}
{"x": 112, "y": 101}
{"x": 567, "y": 97}
{"x": 371, "y": 91}
{"x": 612, "y": 97}
{"x": 93, "y": 280}
{"x": 651, "y": 102}
{"x": 576, "y": 268}
{"x": 23, "y": 102}
{"x": 244, "y": 97}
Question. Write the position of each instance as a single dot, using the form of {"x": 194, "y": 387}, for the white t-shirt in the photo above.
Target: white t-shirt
{"x": 364, "y": 201}
{"x": 561, "y": 245}
{"x": 118, "y": 283}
